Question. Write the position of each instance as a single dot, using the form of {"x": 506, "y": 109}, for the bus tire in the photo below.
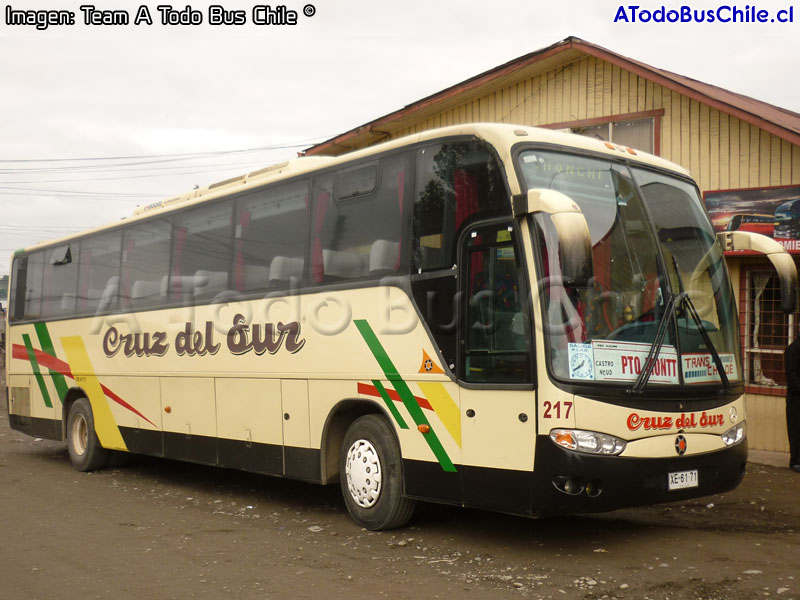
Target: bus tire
{"x": 371, "y": 475}
{"x": 85, "y": 451}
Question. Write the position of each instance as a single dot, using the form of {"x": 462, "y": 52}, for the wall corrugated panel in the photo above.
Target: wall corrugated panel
{"x": 724, "y": 152}
{"x": 775, "y": 160}
{"x": 673, "y": 121}
{"x": 766, "y": 423}
{"x": 583, "y": 86}
{"x": 701, "y": 150}
{"x": 587, "y": 73}
{"x": 786, "y": 162}
{"x": 795, "y": 164}
{"x": 733, "y": 152}
{"x": 754, "y": 157}
{"x": 764, "y": 162}
{"x": 666, "y": 130}
{"x": 714, "y": 135}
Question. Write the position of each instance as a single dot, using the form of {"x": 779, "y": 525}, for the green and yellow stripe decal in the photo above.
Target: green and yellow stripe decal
{"x": 59, "y": 381}
{"x": 390, "y": 404}
{"x": 404, "y": 392}
{"x": 444, "y": 407}
{"x": 107, "y": 431}
{"x": 47, "y": 347}
{"x": 37, "y": 372}
{"x": 77, "y": 367}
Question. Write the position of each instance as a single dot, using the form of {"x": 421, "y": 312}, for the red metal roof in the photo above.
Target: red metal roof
{"x": 779, "y": 121}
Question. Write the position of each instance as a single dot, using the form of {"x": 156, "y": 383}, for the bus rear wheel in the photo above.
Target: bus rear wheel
{"x": 85, "y": 451}
{"x": 371, "y": 475}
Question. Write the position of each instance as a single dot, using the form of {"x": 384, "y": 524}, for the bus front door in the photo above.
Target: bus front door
{"x": 498, "y": 418}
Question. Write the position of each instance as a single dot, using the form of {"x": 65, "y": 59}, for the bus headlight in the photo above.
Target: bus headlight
{"x": 589, "y": 442}
{"x": 736, "y": 434}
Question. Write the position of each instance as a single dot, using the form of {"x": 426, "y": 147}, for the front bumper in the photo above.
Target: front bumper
{"x": 606, "y": 483}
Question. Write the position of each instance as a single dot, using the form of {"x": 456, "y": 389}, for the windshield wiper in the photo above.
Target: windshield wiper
{"x": 709, "y": 344}
{"x": 675, "y": 302}
{"x": 689, "y": 306}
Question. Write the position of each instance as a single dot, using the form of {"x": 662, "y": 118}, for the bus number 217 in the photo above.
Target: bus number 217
{"x": 549, "y": 407}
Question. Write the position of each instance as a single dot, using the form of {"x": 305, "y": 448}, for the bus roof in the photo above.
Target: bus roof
{"x": 501, "y": 136}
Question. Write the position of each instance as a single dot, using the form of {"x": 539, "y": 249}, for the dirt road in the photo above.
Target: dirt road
{"x": 161, "y": 529}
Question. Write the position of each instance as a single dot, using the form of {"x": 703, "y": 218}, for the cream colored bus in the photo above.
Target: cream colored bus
{"x": 484, "y": 315}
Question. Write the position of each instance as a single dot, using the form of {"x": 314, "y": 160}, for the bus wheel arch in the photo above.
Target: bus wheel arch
{"x": 371, "y": 475}
{"x": 72, "y": 396}
{"x": 338, "y": 422}
{"x": 85, "y": 451}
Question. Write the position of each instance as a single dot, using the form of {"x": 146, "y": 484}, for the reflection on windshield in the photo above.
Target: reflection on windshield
{"x": 650, "y": 240}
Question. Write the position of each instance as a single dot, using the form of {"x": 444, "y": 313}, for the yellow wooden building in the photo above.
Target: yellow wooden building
{"x": 744, "y": 153}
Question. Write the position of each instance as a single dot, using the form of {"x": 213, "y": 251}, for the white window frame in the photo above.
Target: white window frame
{"x": 610, "y": 129}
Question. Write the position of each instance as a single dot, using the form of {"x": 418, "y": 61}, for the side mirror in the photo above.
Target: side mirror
{"x": 574, "y": 241}
{"x": 780, "y": 259}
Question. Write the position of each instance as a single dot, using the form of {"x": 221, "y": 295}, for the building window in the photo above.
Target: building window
{"x": 766, "y": 331}
{"x": 638, "y": 133}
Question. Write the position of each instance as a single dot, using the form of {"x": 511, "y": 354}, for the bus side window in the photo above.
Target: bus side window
{"x": 270, "y": 237}
{"x": 60, "y": 281}
{"x": 386, "y": 252}
{"x": 16, "y": 294}
{"x": 98, "y": 273}
{"x": 455, "y": 183}
{"x": 357, "y": 221}
{"x": 145, "y": 265}
{"x": 33, "y": 286}
{"x": 201, "y": 251}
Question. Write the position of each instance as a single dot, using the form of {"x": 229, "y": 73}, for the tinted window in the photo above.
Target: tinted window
{"x": 201, "y": 251}
{"x": 357, "y": 181}
{"x": 16, "y": 294}
{"x": 357, "y": 226}
{"x": 145, "y": 264}
{"x": 33, "y": 286}
{"x": 497, "y": 324}
{"x": 269, "y": 246}
{"x": 98, "y": 275}
{"x": 60, "y": 280}
{"x": 455, "y": 183}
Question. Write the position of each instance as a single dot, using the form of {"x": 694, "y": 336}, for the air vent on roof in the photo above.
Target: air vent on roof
{"x": 269, "y": 168}
{"x": 226, "y": 182}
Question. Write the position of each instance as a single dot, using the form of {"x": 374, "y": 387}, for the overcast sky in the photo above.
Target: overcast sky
{"x": 160, "y": 92}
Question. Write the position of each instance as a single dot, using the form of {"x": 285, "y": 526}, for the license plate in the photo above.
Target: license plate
{"x": 682, "y": 480}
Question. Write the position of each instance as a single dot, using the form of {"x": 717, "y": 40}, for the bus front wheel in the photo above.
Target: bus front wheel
{"x": 371, "y": 475}
{"x": 85, "y": 451}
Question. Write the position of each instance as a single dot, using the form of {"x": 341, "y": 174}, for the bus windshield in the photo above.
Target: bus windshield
{"x": 657, "y": 277}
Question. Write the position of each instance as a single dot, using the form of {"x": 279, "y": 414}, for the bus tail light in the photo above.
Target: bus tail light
{"x": 736, "y": 434}
{"x": 588, "y": 442}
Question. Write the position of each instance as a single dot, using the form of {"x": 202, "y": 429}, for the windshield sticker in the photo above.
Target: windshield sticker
{"x": 505, "y": 253}
{"x": 700, "y": 368}
{"x": 624, "y": 361}
{"x": 581, "y": 361}
{"x": 604, "y": 360}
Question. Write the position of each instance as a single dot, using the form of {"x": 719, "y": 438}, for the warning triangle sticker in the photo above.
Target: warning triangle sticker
{"x": 429, "y": 365}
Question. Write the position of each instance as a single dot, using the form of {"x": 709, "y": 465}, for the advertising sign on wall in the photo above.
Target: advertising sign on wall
{"x": 774, "y": 212}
